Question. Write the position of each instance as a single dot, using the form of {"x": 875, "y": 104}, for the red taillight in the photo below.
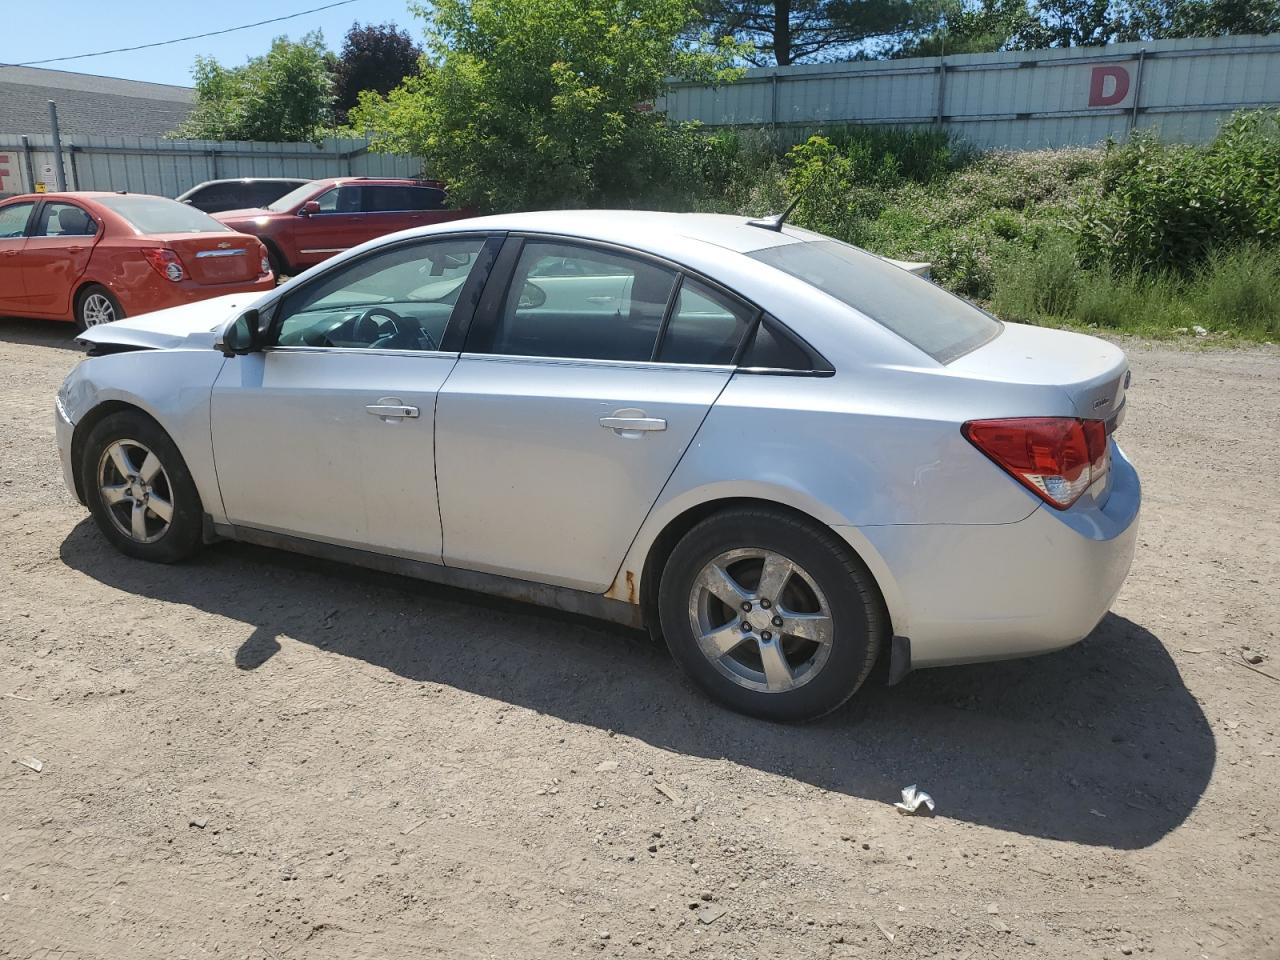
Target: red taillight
{"x": 1056, "y": 458}
{"x": 165, "y": 262}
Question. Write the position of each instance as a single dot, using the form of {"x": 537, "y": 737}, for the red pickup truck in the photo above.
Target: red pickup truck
{"x": 324, "y": 217}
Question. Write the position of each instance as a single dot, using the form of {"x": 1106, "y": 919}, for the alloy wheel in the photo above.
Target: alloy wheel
{"x": 761, "y": 620}
{"x": 135, "y": 489}
{"x": 97, "y": 309}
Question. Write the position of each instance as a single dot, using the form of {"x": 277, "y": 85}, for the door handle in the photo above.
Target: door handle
{"x": 392, "y": 411}
{"x": 624, "y": 422}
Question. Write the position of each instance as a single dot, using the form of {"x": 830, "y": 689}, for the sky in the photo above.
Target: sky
{"x": 86, "y": 26}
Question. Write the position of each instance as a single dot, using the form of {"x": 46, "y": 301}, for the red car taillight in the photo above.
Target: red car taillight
{"x": 1056, "y": 458}
{"x": 165, "y": 262}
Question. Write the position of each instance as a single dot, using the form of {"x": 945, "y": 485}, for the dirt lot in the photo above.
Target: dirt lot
{"x": 255, "y": 755}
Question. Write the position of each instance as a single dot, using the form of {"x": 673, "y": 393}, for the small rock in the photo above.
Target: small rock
{"x": 200, "y": 822}
{"x": 607, "y": 766}
{"x": 1255, "y": 658}
{"x": 604, "y": 934}
{"x": 706, "y": 896}
{"x": 710, "y": 914}
{"x": 993, "y": 908}
{"x": 1128, "y": 950}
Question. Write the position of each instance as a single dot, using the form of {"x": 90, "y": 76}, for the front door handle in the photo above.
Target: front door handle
{"x": 631, "y": 423}
{"x": 391, "y": 410}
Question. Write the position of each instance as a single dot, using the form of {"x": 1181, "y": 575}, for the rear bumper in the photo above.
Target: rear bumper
{"x": 157, "y": 293}
{"x": 964, "y": 593}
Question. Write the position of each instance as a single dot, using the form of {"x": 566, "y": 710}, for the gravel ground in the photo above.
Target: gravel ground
{"x": 254, "y": 755}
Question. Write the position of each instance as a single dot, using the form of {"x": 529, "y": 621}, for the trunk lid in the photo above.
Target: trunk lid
{"x": 1093, "y": 373}
{"x": 213, "y": 258}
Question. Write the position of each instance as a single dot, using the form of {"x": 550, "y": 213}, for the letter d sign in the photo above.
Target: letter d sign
{"x": 1098, "y": 94}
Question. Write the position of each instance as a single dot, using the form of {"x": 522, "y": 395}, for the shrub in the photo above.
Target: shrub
{"x": 1239, "y": 290}
{"x": 1042, "y": 283}
{"x": 1167, "y": 206}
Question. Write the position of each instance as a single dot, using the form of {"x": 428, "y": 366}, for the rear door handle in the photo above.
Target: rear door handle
{"x": 392, "y": 411}
{"x": 625, "y": 422}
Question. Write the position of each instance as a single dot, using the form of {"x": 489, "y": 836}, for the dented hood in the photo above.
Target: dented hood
{"x": 191, "y": 326}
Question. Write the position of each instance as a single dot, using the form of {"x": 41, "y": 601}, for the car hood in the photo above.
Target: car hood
{"x": 191, "y": 326}
{"x": 249, "y": 213}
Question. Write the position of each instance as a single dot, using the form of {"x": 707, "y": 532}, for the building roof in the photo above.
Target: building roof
{"x": 89, "y": 104}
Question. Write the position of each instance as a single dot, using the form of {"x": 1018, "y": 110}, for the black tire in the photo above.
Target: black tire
{"x": 90, "y": 298}
{"x": 184, "y": 534}
{"x": 278, "y": 265}
{"x": 859, "y": 624}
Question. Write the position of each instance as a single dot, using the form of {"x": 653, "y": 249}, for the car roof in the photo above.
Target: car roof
{"x": 642, "y": 229}
{"x": 297, "y": 180}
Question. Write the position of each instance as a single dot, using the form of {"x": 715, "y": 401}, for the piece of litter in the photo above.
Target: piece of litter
{"x": 1098, "y": 813}
{"x": 667, "y": 792}
{"x": 913, "y": 798}
{"x": 408, "y": 830}
{"x": 606, "y": 766}
{"x": 31, "y": 763}
{"x": 888, "y": 934}
{"x": 31, "y": 700}
{"x": 711, "y": 914}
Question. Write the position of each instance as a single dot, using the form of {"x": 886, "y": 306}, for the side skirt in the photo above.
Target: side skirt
{"x": 525, "y": 591}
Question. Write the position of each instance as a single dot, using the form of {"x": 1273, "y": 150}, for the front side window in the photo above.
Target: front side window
{"x": 292, "y": 199}
{"x": 64, "y": 220}
{"x": 152, "y": 215}
{"x": 398, "y": 299}
{"x": 340, "y": 200}
{"x": 581, "y": 303}
{"x": 13, "y": 220}
{"x": 926, "y": 316}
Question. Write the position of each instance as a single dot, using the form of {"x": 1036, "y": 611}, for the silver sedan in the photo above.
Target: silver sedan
{"x": 787, "y": 456}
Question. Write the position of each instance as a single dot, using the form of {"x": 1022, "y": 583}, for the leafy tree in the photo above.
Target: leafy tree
{"x": 962, "y": 27}
{"x": 792, "y": 31}
{"x": 538, "y": 103}
{"x": 374, "y": 57}
{"x": 1159, "y": 19}
{"x": 284, "y": 94}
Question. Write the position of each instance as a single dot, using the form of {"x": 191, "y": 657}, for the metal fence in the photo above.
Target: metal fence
{"x": 169, "y": 167}
{"x": 1017, "y": 100}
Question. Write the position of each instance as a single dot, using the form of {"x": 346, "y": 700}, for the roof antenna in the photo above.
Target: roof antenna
{"x": 775, "y": 221}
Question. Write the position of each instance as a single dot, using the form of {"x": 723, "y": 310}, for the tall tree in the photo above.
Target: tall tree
{"x": 541, "y": 103}
{"x": 968, "y": 27}
{"x": 793, "y": 31}
{"x": 374, "y": 57}
{"x": 1160, "y": 19}
{"x": 285, "y": 94}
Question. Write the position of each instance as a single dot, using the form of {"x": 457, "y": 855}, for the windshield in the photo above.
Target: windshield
{"x": 922, "y": 313}
{"x": 292, "y": 198}
{"x": 157, "y": 215}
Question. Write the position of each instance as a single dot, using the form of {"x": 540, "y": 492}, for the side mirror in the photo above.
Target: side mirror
{"x": 309, "y": 208}
{"x": 240, "y": 336}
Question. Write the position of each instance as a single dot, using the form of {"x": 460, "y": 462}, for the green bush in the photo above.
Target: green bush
{"x": 1168, "y": 206}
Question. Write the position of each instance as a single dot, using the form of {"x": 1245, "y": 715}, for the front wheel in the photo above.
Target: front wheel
{"x": 139, "y": 489}
{"x": 771, "y": 614}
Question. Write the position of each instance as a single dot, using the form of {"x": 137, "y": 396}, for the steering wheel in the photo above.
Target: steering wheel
{"x": 367, "y": 327}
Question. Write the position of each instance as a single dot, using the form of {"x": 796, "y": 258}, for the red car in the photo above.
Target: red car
{"x": 96, "y": 257}
{"x": 325, "y": 217}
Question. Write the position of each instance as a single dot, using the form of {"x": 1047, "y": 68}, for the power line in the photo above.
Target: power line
{"x": 197, "y": 36}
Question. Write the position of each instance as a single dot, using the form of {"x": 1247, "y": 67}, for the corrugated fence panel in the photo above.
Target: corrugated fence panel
{"x": 170, "y": 167}
{"x": 1017, "y": 100}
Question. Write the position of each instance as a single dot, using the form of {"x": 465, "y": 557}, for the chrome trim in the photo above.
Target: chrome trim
{"x": 325, "y": 250}
{"x": 451, "y": 354}
{"x": 220, "y": 253}
{"x": 592, "y": 362}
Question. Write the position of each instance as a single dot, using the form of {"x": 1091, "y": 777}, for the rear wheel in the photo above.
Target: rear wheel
{"x": 96, "y": 305}
{"x": 770, "y": 614}
{"x": 277, "y": 262}
{"x": 139, "y": 489}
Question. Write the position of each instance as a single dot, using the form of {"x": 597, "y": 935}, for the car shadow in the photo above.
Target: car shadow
{"x": 40, "y": 333}
{"x": 1098, "y": 744}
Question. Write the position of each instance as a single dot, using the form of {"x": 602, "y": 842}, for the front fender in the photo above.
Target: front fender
{"x": 173, "y": 391}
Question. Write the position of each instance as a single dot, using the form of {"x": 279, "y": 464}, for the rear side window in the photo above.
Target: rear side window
{"x": 582, "y": 303}
{"x": 13, "y": 220}
{"x": 390, "y": 199}
{"x": 926, "y": 316}
{"x": 150, "y": 215}
{"x": 64, "y": 220}
{"x": 705, "y": 327}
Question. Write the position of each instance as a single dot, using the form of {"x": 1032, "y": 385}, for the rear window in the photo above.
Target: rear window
{"x": 926, "y": 316}
{"x": 158, "y": 215}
